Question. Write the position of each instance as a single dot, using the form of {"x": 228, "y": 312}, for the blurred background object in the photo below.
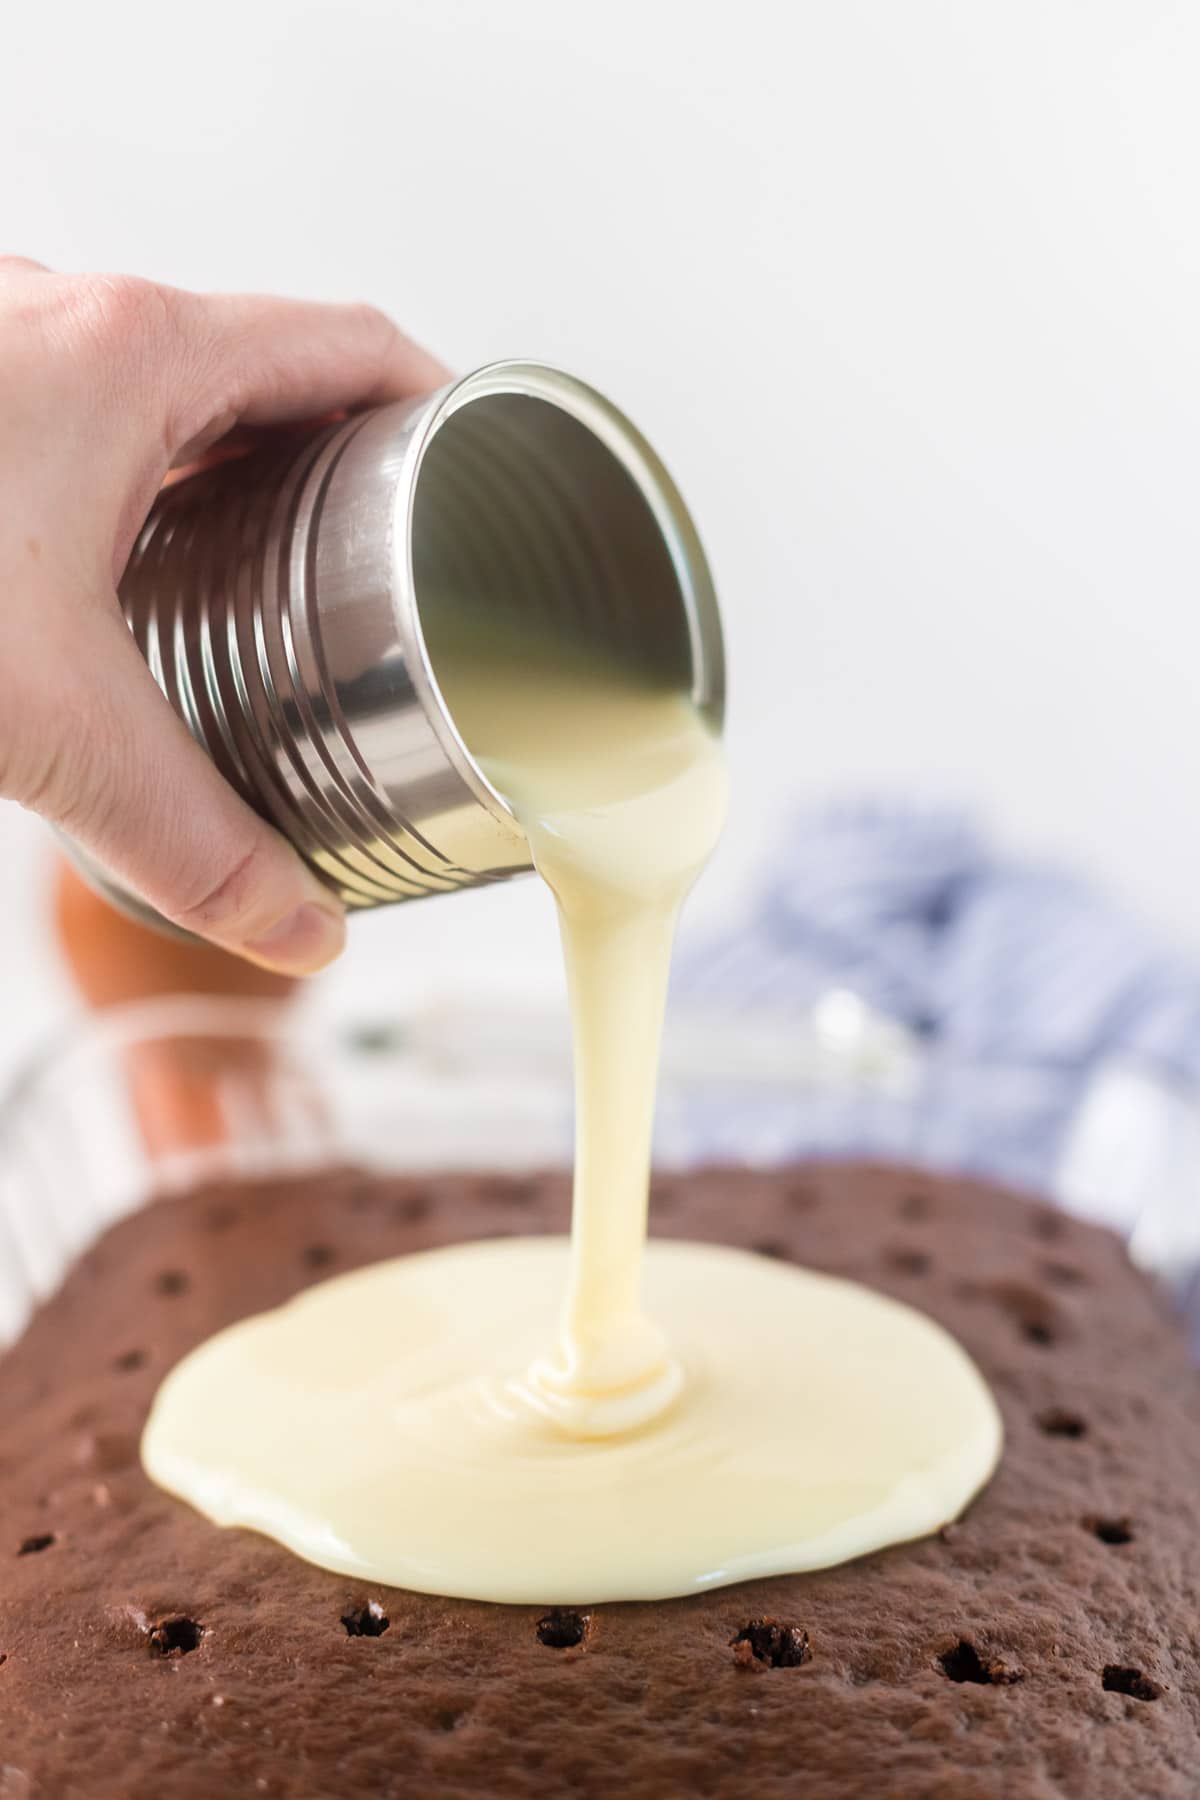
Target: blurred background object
{"x": 112, "y": 959}
{"x": 1031, "y": 1007}
{"x": 905, "y": 296}
{"x": 176, "y": 1095}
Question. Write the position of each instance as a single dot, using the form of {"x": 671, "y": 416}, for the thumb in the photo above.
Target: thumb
{"x": 108, "y": 761}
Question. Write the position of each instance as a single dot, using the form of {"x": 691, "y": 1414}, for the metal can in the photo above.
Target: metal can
{"x": 281, "y": 601}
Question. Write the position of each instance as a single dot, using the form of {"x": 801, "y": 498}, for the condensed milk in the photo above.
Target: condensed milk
{"x": 537, "y": 1421}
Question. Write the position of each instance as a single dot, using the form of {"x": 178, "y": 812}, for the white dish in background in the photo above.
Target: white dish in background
{"x": 458, "y": 1086}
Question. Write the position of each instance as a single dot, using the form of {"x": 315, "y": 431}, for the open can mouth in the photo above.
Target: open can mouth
{"x": 536, "y": 509}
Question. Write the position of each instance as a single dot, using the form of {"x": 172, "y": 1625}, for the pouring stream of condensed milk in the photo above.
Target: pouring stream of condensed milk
{"x": 695, "y": 1415}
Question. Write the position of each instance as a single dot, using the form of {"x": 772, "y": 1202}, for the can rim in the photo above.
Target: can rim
{"x": 589, "y": 408}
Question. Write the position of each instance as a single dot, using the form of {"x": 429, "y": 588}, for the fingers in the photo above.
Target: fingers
{"x": 266, "y": 362}
{"x": 294, "y": 358}
{"x": 153, "y": 376}
{"x": 233, "y": 358}
{"x": 108, "y": 760}
{"x": 20, "y": 265}
{"x": 107, "y": 381}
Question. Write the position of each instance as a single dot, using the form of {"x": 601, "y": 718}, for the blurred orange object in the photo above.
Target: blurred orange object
{"x": 114, "y": 959}
{"x": 178, "y": 1091}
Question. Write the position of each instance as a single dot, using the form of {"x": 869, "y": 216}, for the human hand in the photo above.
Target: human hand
{"x": 108, "y": 383}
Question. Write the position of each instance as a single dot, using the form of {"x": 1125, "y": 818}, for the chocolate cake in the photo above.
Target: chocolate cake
{"x": 1046, "y": 1644}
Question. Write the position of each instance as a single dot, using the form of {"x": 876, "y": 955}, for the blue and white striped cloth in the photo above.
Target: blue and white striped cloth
{"x": 1020, "y": 981}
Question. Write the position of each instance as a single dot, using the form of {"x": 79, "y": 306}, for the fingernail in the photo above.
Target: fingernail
{"x": 302, "y": 942}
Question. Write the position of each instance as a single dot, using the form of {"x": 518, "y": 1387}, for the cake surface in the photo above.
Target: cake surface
{"x": 1047, "y": 1644}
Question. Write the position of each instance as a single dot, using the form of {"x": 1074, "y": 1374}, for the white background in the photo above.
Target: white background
{"x": 906, "y": 294}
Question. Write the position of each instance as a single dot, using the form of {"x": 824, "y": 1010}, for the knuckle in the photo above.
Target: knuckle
{"x": 12, "y": 266}
{"x": 45, "y": 773}
{"x": 29, "y": 778}
{"x": 67, "y": 759}
{"x": 120, "y": 313}
{"x": 23, "y": 777}
{"x": 226, "y": 899}
{"x": 372, "y": 318}
{"x": 374, "y": 324}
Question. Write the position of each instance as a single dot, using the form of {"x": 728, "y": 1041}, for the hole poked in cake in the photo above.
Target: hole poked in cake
{"x": 963, "y": 1662}
{"x": 36, "y": 1543}
{"x": 665, "y": 1193}
{"x": 916, "y": 1204}
{"x": 175, "y": 1635}
{"x": 318, "y": 1256}
{"x": 906, "y": 1259}
{"x": 1062, "y": 1274}
{"x": 562, "y": 1628}
{"x": 130, "y": 1360}
{"x": 771, "y": 1642}
{"x": 1058, "y": 1421}
{"x": 508, "y": 1190}
{"x": 170, "y": 1283}
{"x": 1114, "y": 1530}
{"x": 410, "y": 1209}
{"x": 367, "y": 1620}
{"x": 1036, "y": 1316}
{"x": 1122, "y": 1678}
